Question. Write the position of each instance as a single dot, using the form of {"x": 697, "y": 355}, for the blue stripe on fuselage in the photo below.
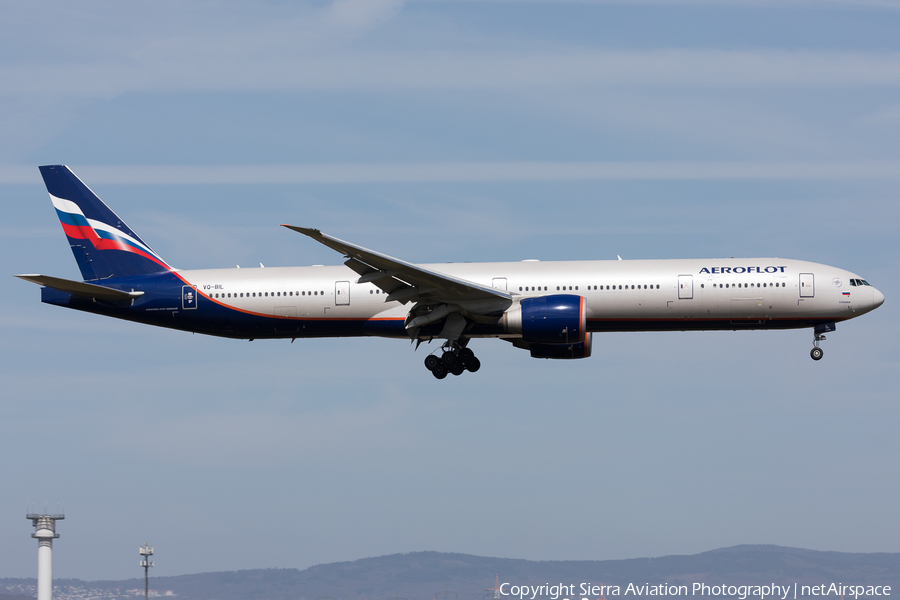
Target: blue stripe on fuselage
{"x": 161, "y": 305}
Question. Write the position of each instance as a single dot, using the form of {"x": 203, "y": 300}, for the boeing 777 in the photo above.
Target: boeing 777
{"x": 550, "y": 309}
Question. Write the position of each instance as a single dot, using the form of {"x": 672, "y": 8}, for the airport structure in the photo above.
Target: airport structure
{"x": 45, "y": 532}
{"x": 146, "y": 552}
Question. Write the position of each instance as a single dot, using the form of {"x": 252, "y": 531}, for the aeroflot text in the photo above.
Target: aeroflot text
{"x": 587, "y": 591}
{"x": 739, "y": 270}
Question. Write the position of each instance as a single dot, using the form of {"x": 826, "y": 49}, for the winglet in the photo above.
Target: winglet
{"x": 314, "y": 233}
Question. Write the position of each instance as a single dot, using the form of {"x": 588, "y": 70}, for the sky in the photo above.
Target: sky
{"x": 436, "y": 131}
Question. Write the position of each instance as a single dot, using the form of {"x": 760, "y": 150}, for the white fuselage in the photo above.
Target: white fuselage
{"x": 630, "y": 295}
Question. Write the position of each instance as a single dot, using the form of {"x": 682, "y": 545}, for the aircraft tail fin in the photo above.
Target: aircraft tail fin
{"x": 103, "y": 245}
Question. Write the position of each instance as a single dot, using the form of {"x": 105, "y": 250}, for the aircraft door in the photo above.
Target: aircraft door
{"x": 685, "y": 287}
{"x": 341, "y": 293}
{"x": 188, "y": 297}
{"x": 499, "y": 283}
{"x": 807, "y": 285}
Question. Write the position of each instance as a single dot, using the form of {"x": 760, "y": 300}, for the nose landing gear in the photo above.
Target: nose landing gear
{"x": 455, "y": 359}
{"x": 817, "y": 353}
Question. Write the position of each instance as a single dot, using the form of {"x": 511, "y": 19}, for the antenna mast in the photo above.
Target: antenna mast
{"x": 146, "y": 551}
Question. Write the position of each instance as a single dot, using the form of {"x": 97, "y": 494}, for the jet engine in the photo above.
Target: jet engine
{"x": 551, "y": 326}
{"x": 563, "y": 351}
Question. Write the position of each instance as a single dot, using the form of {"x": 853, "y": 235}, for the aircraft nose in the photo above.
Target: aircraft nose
{"x": 877, "y": 299}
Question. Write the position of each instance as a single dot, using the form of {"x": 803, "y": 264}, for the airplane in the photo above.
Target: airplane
{"x": 550, "y": 309}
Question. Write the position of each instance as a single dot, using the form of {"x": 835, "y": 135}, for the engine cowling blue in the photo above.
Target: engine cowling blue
{"x": 557, "y": 319}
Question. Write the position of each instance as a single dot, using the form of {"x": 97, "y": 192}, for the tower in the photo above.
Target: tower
{"x": 45, "y": 532}
{"x": 146, "y": 551}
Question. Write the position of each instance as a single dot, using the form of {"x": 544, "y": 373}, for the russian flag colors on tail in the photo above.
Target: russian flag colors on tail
{"x": 103, "y": 245}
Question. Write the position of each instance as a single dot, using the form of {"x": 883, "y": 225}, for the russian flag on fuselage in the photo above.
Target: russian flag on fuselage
{"x": 103, "y": 245}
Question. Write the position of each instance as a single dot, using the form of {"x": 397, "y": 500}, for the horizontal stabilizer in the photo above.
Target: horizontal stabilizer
{"x": 78, "y": 288}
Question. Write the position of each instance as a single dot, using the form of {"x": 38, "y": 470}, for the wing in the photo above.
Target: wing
{"x": 403, "y": 281}
{"x": 435, "y": 295}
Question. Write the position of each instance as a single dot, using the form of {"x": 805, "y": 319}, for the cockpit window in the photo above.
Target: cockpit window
{"x": 856, "y": 282}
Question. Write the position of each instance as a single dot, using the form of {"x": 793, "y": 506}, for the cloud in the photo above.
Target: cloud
{"x": 470, "y": 172}
{"x": 885, "y": 116}
{"x": 362, "y": 15}
{"x": 274, "y": 67}
{"x": 767, "y": 4}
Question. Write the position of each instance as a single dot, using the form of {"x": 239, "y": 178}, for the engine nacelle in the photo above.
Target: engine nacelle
{"x": 562, "y": 351}
{"x": 557, "y": 319}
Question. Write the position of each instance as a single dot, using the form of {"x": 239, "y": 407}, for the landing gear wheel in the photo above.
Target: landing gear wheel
{"x": 465, "y": 355}
{"x": 816, "y": 353}
{"x": 432, "y": 361}
{"x": 473, "y": 364}
{"x": 439, "y": 372}
{"x": 457, "y": 369}
{"x": 449, "y": 359}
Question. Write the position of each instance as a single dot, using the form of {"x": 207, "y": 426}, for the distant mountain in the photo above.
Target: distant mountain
{"x": 444, "y": 576}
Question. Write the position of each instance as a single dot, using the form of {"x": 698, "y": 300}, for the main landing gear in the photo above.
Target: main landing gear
{"x": 453, "y": 360}
{"x": 817, "y": 353}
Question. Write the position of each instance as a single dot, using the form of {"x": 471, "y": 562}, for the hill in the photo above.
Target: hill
{"x": 445, "y": 576}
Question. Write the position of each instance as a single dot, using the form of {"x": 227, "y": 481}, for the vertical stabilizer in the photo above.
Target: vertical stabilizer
{"x": 103, "y": 245}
